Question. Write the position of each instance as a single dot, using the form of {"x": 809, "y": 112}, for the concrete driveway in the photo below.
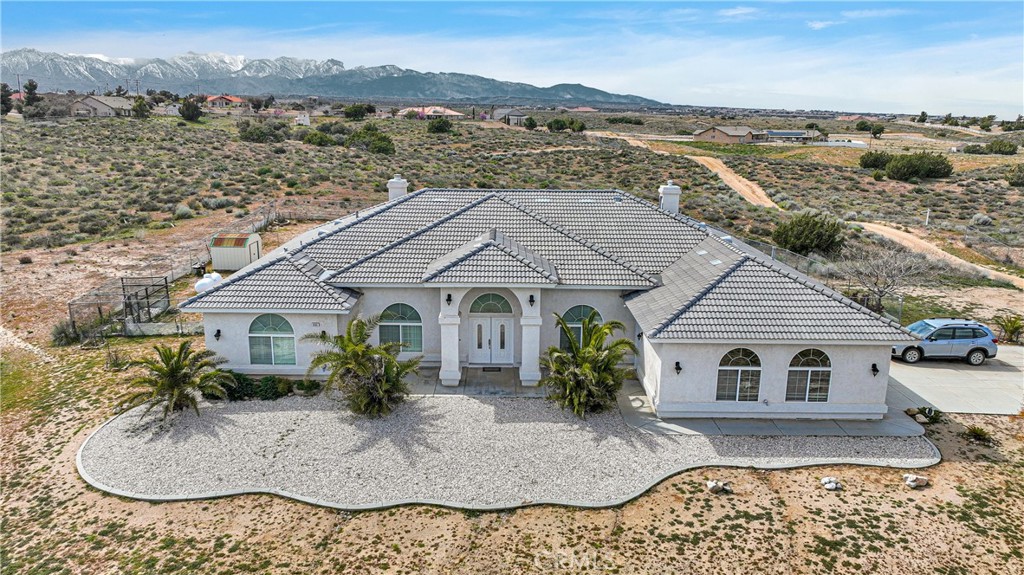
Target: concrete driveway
{"x": 995, "y": 387}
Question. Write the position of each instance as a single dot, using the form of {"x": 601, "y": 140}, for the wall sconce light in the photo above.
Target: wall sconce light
{"x": 323, "y": 333}
{"x": 874, "y": 370}
{"x": 448, "y": 299}
{"x": 679, "y": 368}
{"x": 640, "y": 336}
{"x": 532, "y": 300}
{"x": 216, "y": 335}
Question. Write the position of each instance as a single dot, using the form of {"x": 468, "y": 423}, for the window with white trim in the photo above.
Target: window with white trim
{"x": 739, "y": 376}
{"x": 271, "y": 341}
{"x": 810, "y": 375}
{"x": 574, "y": 317}
{"x": 401, "y": 323}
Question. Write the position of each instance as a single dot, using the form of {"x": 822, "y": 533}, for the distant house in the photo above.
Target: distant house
{"x": 432, "y": 113}
{"x": 302, "y": 119}
{"x": 17, "y": 96}
{"x": 224, "y": 101}
{"x": 730, "y": 135}
{"x": 795, "y": 136}
{"x": 102, "y": 107}
{"x": 509, "y": 116}
{"x": 172, "y": 110}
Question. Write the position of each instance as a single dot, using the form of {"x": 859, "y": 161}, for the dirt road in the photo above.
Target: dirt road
{"x": 923, "y": 246}
{"x": 752, "y": 192}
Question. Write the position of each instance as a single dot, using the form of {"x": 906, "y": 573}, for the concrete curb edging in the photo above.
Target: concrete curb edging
{"x": 461, "y": 506}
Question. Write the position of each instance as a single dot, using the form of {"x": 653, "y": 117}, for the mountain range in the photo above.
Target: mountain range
{"x": 216, "y": 73}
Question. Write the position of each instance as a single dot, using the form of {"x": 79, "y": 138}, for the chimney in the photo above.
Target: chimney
{"x": 669, "y": 195}
{"x": 397, "y": 187}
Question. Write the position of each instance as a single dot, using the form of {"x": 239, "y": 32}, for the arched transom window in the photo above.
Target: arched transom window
{"x": 574, "y": 317}
{"x": 739, "y": 376}
{"x": 271, "y": 341}
{"x": 490, "y": 303}
{"x": 810, "y": 374}
{"x": 401, "y": 323}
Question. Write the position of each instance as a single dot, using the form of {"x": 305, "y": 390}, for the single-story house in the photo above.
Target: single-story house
{"x": 432, "y": 113}
{"x": 172, "y": 110}
{"x": 471, "y": 279}
{"x": 224, "y": 101}
{"x": 102, "y": 107}
{"x": 730, "y": 135}
{"x": 795, "y": 136}
{"x": 509, "y": 116}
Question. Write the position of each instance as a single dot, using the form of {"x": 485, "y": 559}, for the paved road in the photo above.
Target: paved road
{"x": 995, "y": 387}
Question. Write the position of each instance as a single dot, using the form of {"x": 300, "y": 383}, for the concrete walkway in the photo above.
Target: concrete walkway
{"x": 637, "y": 413}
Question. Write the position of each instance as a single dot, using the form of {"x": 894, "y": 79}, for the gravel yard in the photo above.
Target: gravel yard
{"x": 470, "y": 452}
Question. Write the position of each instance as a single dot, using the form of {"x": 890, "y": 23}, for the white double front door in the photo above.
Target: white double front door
{"x": 491, "y": 340}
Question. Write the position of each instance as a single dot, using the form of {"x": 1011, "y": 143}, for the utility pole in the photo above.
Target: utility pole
{"x": 137, "y": 87}
{"x": 20, "y": 88}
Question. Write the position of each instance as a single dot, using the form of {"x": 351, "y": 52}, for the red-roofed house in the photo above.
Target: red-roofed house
{"x": 224, "y": 101}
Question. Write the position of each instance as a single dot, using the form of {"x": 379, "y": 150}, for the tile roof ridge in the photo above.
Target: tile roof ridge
{"x": 231, "y": 280}
{"x": 407, "y": 237}
{"x": 330, "y": 290}
{"x": 462, "y": 257}
{"x": 497, "y": 239}
{"x": 369, "y": 213}
{"x": 698, "y": 296}
{"x": 578, "y": 239}
{"x": 825, "y": 291}
{"x": 528, "y": 258}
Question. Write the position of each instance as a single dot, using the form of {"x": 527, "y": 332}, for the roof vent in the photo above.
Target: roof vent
{"x": 441, "y": 199}
{"x": 715, "y": 262}
{"x": 702, "y": 227}
{"x": 702, "y": 252}
{"x": 587, "y": 200}
{"x": 321, "y": 234}
{"x": 727, "y": 239}
{"x": 542, "y": 200}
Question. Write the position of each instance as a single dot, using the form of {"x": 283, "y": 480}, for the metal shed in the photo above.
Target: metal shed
{"x": 230, "y": 252}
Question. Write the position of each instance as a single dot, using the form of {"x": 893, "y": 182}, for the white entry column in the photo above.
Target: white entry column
{"x": 531, "y": 322}
{"x": 450, "y": 321}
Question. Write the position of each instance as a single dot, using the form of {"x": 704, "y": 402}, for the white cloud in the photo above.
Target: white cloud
{"x": 875, "y": 13}
{"x": 739, "y": 12}
{"x": 821, "y": 24}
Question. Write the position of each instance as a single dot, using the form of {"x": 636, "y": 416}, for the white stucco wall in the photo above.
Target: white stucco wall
{"x": 424, "y": 300}
{"x": 608, "y": 303}
{"x": 854, "y": 392}
{"x": 233, "y": 344}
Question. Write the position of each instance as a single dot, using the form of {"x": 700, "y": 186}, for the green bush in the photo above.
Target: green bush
{"x": 1011, "y": 325}
{"x": 975, "y": 149}
{"x": 1015, "y": 176}
{"x": 625, "y": 120}
{"x": 904, "y": 167}
{"x": 370, "y": 138}
{"x": 1002, "y": 147}
{"x": 529, "y": 123}
{"x": 439, "y": 126}
{"x": 318, "y": 138}
{"x": 272, "y": 387}
{"x": 244, "y": 388}
{"x": 876, "y": 160}
{"x": 562, "y": 124}
{"x": 978, "y": 434}
{"x": 810, "y": 231}
{"x": 308, "y": 386}
{"x": 63, "y": 334}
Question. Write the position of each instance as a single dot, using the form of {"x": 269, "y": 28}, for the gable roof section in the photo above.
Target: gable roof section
{"x": 751, "y": 299}
{"x": 490, "y": 256}
{"x": 115, "y": 102}
{"x": 289, "y": 282}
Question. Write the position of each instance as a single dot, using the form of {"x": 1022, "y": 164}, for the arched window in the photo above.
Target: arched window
{"x": 271, "y": 341}
{"x": 739, "y": 376}
{"x": 401, "y": 323}
{"x": 574, "y": 317}
{"x": 490, "y": 303}
{"x": 810, "y": 374}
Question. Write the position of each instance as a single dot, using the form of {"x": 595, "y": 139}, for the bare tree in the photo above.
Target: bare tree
{"x": 885, "y": 270}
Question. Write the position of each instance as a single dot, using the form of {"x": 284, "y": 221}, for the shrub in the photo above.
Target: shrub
{"x": 981, "y": 220}
{"x": 370, "y": 138}
{"x": 190, "y": 111}
{"x": 810, "y": 231}
{"x": 272, "y": 387}
{"x": 975, "y": 149}
{"x": 244, "y": 388}
{"x": 1015, "y": 176}
{"x": 562, "y": 124}
{"x": 183, "y": 212}
{"x": 529, "y": 123}
{"x": 878, "y": 175}
{"x": 875, "y": 160}
{"x": 308, "y": 386}
{"x": 625, "y": 120}
{"x": 904, "y": 167}
{"x": 317, "y": 138}
{"x": 439, "y": 126}
{"x": 1012, "y": 326}
{"x": 1003, "y": 147}
{"x": 24, "y": 260}
{"x": 978, "y": 434}
{"x": 261, "y": 134}
{"x": 63, "y": 334}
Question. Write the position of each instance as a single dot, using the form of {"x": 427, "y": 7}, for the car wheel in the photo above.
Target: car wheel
{"x": 976, "y": 357}
{"x": 911, "y": 355}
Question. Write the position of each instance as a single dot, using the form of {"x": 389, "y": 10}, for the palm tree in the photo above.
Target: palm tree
{"x": 370, "y": 377}
{"x": 585, "y": 376}
{"x": 176, "y": 377}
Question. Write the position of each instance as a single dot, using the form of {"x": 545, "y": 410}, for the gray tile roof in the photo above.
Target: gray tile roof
{"x": 746, "y": 297}
{"x": 732, "y": 130}
{"x": 288, "y": 282}
{"x": 491, "y": 258}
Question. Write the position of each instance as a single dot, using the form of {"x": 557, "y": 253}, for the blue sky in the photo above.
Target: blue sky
{"x": 959, "y": 57}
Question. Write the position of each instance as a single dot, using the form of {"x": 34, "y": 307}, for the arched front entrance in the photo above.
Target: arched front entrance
{"x": 491, "y": 330}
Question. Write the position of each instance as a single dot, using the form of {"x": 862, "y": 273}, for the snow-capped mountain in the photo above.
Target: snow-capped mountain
{"x": 216, "y": 73}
